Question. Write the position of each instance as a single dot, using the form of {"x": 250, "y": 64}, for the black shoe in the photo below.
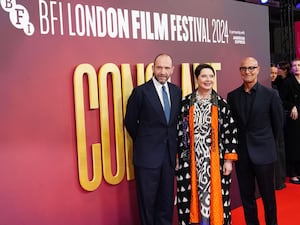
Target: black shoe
{"x": 280, "y": 187}
{"x": 294, "y": 181}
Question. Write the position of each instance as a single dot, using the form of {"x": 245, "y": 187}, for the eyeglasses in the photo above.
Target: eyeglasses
{"x": 250, "y": 68}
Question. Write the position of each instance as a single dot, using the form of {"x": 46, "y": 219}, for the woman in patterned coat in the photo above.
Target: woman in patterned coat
{"x": 207, "y": 147}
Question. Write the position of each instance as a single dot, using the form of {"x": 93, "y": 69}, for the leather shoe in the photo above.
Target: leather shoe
{"x": 280, "y": 187}
{"x": 294, "y": 181}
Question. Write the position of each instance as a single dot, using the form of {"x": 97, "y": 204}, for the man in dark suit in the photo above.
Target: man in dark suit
{"x": 151, "y": 121}
{"x": 256, "y": 109}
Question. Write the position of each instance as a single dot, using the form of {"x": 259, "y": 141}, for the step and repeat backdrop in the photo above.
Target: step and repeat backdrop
{"x": 67, "y": 69}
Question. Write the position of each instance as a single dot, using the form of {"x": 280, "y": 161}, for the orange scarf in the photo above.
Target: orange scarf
{"x": 216, "y": 202}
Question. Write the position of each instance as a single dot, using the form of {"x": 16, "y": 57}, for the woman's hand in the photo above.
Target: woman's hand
{"x": 294, "y": 113}
{"x": 227, "y": 167}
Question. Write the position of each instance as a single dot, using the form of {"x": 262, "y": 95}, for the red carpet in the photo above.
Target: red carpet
{"x": 288, "y": 207}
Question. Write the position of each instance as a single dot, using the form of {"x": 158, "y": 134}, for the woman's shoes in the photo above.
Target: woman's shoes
{"x": 295, "y": 180}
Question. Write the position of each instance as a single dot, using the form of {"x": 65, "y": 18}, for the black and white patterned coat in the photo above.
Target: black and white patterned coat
{"x": 227, "y": 148}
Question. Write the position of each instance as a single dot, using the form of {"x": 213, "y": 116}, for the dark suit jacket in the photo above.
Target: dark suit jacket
{"x": 145, "y": 121}
{"x": 257, "y": 135}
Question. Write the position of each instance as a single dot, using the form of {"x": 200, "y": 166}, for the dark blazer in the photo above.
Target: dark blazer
{"x": 290, "y": 96}
{"x": 146, "y": 123}
{"x": 257, "y": 134}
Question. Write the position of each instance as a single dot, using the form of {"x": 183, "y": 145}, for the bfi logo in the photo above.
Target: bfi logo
{"x": 18, "y": 15}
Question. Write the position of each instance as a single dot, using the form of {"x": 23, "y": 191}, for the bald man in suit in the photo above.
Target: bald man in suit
{"x": 257, "y": 111}
{"x": 154, "y": 136}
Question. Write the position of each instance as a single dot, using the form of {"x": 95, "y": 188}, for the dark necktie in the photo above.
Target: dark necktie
{"x": 166, "y": 103}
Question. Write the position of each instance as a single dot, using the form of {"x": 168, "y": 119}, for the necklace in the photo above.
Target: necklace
{"x": 203, "y": 99}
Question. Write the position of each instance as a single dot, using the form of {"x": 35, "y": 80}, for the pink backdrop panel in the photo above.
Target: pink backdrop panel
{"x": 297, "y": 39}
{"x": 41, "y": 44}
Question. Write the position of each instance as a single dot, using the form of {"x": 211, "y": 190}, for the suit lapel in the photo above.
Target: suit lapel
{"x": 239, "y": 101}
{"x": 173, "y": 98}
{"x": 154, "y": 100}
{"x": 255, "y": 104}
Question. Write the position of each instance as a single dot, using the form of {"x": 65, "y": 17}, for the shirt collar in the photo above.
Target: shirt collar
{"x": 159, "y": 85}
{"x": 253, "y": 89}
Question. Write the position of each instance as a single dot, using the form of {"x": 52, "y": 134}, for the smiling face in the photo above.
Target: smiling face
{"x": 249, "y": 70}
{"x": 163, "y": 68}
{"x": 205, "y": 80}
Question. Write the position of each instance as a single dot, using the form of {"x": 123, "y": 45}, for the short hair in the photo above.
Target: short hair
{"x": 284, "y": 65}
{"x": 273, "y": 65}
{"x": 161, "y": 54}
{"x": 296, "y": 59}
{"x": 201, "y": 67}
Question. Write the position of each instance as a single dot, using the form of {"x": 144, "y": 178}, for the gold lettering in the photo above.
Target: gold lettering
{"x": 127, "y": 87}
{"x": 80, "y": 71}
{"x": 149, "y": 72}
{"x": 122, "y": 85}
{"x": 186, "y": 82}
{"x": 105, "y": 70}
{"x": 217, "y": 67}
{"x": 140, "y": 74}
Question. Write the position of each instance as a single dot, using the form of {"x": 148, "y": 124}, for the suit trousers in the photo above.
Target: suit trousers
{"x": 249, "y": 175}
{"x": 155, "y": 193}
